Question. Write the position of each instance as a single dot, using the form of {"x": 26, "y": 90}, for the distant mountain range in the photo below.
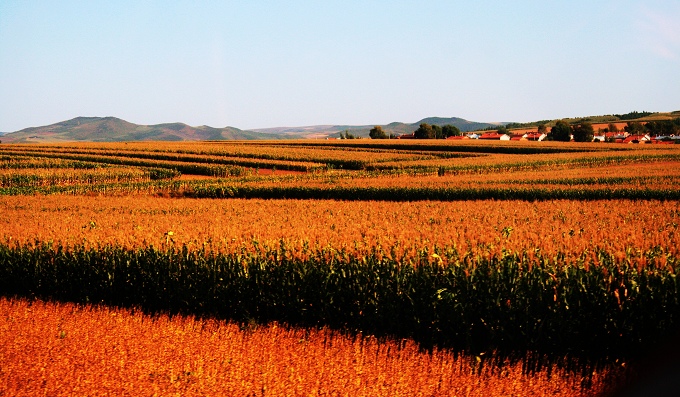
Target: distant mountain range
{"x": 397, "y": 128}
{"x": 112, "y": 129}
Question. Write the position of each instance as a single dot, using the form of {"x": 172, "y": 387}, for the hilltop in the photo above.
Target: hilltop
{"x": 396, "y": 128}
{"x": 112, "y": 129}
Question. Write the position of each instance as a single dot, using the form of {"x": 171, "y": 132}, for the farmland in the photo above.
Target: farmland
{"x": 132, "y": 354}
{"x": 501, "y": 263}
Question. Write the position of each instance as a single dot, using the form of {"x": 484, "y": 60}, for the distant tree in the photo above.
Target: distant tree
{"x": 612, "y": 127}
{"x": 377, "y": 133}
{"x": 503, "y": 130}
{"x": 633, "y": 115}
{"x": 561, "y": 131}
{"x": 438, "y": 134}
{"x": 451, "y": 130}
{"x": 584, "y": 132}
{"x": 347, "y": 135}
{"x": 425, "y": 131}
{"x": 525, "y": 125}
{"x": 634, "y": 128}
{"x": 663, "y": 127}
{"x": 655, "y": 127}
{"x": 542, "y": 129}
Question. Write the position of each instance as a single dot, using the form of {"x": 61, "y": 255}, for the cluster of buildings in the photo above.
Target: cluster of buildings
{"x": 491, "y": 135}
{"x": 495, "y": 136}
{"x": 532, "y": 134}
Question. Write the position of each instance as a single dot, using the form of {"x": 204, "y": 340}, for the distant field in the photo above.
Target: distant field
{"x": 361, "y": 170}
{"x": 510, "y": 261}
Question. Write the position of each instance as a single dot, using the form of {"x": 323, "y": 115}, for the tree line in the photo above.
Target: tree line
{"x": 424, "y": 131}
{"x": 584, "y": 132}
{"x": 561, "y": 131}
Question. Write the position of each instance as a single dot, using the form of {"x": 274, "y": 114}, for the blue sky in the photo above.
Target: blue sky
{"x": 257, "y": 64}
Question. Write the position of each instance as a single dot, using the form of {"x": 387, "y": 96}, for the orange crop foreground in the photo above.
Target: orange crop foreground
{"x": 65, "y": 350}
{"x": 574, "y": 230}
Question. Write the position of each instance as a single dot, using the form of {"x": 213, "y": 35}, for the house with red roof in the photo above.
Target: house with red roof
{"x": 535, "y": 136}
{"x": 636, "y": 139}
{"x": 495, "y": 136}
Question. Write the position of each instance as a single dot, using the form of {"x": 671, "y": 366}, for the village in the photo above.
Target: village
{"x": 602, "y": 132}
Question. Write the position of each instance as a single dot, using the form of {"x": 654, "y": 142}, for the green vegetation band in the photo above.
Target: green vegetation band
{"x": 508, "y": 305}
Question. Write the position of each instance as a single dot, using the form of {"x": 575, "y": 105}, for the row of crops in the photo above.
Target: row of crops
{"x": 503, "y": 306}
{"x": 120, "y": 184}
{"x": 203, "y": 357}
{"x": 540, "y": 279}
{"x": 70, "y": 177}
{"x": 305, "y": 157}
{"x": 390, "y": 174}
{"x": 397, "y": 240}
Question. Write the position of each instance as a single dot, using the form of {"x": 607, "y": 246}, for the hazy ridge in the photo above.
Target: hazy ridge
{"x": 396, "y": 128}
{"x": 112, "y": 129}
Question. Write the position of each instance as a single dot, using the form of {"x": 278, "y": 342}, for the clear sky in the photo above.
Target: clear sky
{"x": 257, "y": 64}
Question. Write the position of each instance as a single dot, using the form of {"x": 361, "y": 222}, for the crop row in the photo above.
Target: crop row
{"x": 637, "y": 232}
{"x": 67, "y": 177}
{"x": 180, "y": 166}
{"x": 188, "y": 356}
{"x": 368, "y": 193}
{"x": 524, "y": 148}
{"x": 294, "y": 159}
{"x": 619, "y": 181}
{"x": 442, "y": 159}
{"x": 22, "y": 162}
{"x": 209, "y": 190}
{"x": 479, "y": 277}
{"x": 646, "y": 175}
{"x": 507, "y": 305}
{"x": 344, "y": 158}
{"x": 30, "y": 185}
{"x": 512, "y": 163}
{"x": 639, "y": 175}
{"x": 173, "y": 158}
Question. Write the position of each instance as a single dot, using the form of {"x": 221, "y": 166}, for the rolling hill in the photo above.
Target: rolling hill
{"x": 397, "y": 128}
{"x": 112, "y": 129}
